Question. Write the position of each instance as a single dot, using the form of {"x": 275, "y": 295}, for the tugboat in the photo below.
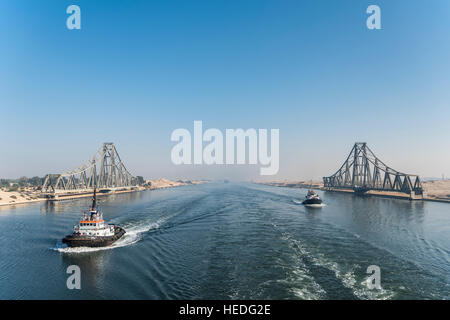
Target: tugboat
{"x": 91, "y": 231}
{"x": 312, "y": 199}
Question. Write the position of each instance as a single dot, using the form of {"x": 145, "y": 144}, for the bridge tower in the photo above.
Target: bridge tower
{"x": 362, "y": 171}
{"x": 103, "y": 171}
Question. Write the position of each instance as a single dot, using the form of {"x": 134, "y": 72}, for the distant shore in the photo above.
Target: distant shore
{"x": 30, "y": 195}
{"x": 165, "y": 183}
{"x": 435, "y": 190}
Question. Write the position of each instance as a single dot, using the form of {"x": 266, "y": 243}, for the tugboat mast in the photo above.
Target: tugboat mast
{"x": 94, "y": 200}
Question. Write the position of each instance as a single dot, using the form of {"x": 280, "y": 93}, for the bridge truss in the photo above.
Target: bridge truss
{"x": 104, "y": 170}
{"x": 362, "y": 171}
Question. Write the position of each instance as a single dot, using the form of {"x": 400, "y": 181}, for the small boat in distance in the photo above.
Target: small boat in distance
{"x": 92, "y": 231}
{"x": 312, "y": 199}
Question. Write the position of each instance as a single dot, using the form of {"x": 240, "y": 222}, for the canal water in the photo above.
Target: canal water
{"x": 231, "y": 241}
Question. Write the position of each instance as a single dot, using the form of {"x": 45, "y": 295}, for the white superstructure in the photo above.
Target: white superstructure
{"x": 93, "y": 225}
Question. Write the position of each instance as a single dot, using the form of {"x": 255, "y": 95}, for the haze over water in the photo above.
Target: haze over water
{"x": 231, "y": 241}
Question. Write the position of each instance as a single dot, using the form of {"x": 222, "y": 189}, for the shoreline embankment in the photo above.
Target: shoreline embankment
{"x": 29, "y": 196}
{"x": 436, "y": 190}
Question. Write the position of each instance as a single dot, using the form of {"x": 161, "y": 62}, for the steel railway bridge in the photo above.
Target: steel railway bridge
{"x": 362, "y": 171}
{"x": 104, "y": 171}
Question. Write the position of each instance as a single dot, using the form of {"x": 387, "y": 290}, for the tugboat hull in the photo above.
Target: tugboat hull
{"x": 312, "y": 201}
{"x": 92, "y": 241}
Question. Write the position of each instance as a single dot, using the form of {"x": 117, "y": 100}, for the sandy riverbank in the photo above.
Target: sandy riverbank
{"x": 165, "y": 183}
{"x": 437, "y": 189}
{"x": 23, "y": 196}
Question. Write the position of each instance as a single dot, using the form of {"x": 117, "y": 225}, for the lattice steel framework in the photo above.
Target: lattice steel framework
{"x": 363, "y": 171}
{"x": 104, "y": 170}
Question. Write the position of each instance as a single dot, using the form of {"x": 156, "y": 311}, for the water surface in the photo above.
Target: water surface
{"x": 231, "y": 241}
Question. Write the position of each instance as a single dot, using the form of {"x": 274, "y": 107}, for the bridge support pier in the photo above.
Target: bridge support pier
{"x": 414, "y": 196}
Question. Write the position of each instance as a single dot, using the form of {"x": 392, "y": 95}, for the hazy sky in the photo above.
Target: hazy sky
{"x": 137, "y": 70}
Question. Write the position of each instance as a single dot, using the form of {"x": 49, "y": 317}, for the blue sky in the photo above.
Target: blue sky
{"x": 137, "y": 70}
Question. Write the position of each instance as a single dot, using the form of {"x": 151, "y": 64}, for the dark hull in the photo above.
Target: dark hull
{"x": 312, "y": 201}
{"x": 86, "y": 241}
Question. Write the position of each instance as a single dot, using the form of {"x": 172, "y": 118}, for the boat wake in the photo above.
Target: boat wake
{"x": 133, "y": 234}
{"x": 346, "y": 273}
